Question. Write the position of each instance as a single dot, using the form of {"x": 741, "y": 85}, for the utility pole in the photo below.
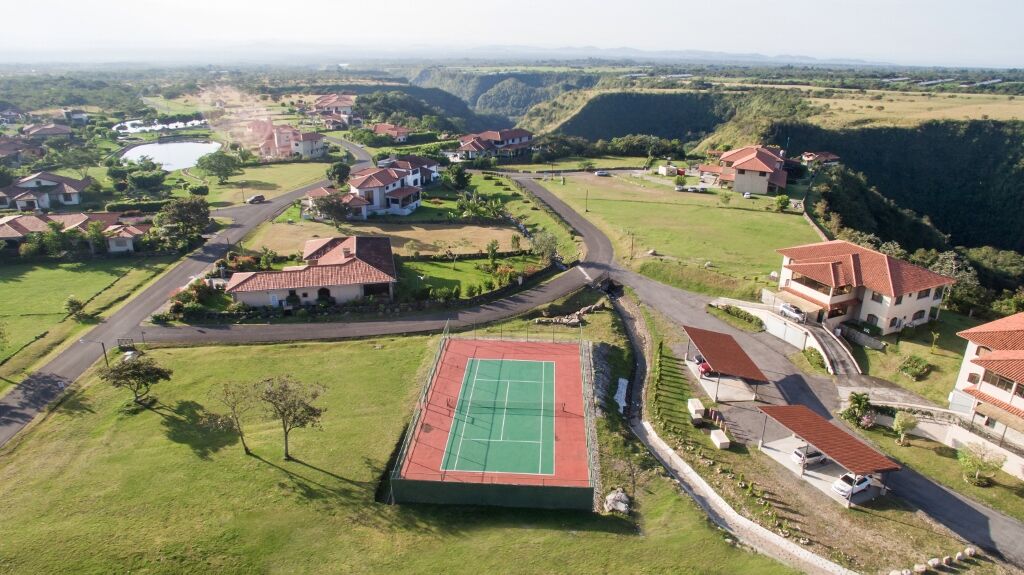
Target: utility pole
{"x": 586, "y": 202}
{"x": 631, "y": 237}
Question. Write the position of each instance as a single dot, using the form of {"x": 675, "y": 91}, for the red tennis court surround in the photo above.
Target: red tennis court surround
{"x": 424, "y": 455}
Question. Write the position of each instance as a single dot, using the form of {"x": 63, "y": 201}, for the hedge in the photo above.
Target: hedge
{"x": 148, "y": 206}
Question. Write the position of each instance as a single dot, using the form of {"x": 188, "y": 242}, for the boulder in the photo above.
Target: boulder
{"x": 896, "y": 572}
{"x": 617, "y": 500}
{"x": 947, "y": 560}
{"x": 970, "y": 552}
{"x": 959, "y": 556}
{"x": 920, "y": 568}
{"x": 934, "y": 562}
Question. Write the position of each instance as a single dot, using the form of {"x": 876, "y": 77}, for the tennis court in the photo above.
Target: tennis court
{"x": 504, "y": 418}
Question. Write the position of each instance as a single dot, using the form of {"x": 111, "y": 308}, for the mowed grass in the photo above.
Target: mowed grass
{"x": 461, "y": 273}
{"x": 573, "y": 163}
{"x": 271, "y": 181}
{"x": 686, "y": 230}
{"x": 885, "y": 108}
{"x": 158, "y": 492}
{"x": 535, "y": 218}
{"x": 945, "y": 360}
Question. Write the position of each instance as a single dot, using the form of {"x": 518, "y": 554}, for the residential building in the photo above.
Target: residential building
{"x": 283, "y": 142}
{"x": 493, "y": 143}
{"x": 815, "y": 159}
{"x": 121, "y": 235}
{"x": 43, "y": 131}
{"x": 397, "y": 133}
{"x": 387, "y": 190}
{"x": 357, "y": 206}
{"x": 751, "y": 169}
{"x": 667, "y": 170}
{"x": 43, "y": 191}
{"x": 429, "y": 170}
{"x": 990, "y": 386}
{"x": 74, "y": 116}
{"x": 839, "y": 281}
{"x": 336, "y": 270}
{"x": 341, "y": 104}
{"x": 17, "y": 151}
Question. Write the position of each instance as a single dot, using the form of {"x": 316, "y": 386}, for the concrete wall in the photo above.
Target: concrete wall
{"x": 307, "y": 295}
{"x": 750, "y": 182}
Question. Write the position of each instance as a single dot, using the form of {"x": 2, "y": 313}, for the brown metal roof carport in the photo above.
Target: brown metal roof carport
{"x": 841, "y": 447}
{"x": 724, "y": 354}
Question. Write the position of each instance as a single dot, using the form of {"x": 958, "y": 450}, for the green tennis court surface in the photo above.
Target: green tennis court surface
{"x": 504, "y": 419}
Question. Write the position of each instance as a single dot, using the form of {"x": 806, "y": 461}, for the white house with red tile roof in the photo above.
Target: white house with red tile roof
{"x": 396, "y": 133}
{"x": 282, "y": 142}
{"x": 750, "y": 169}
{"x": 43, "y": 191}
{"x": 337, "y": 270}
{"x": 388, "y": 190}
{"x": 121, "y": 236}
{"x": 847, "y": 282}
{"x": 502, "y": 143}
{"x": 357, "y": 206}
{"x": 335, "y": 103}
{"x": 990, "y": 385}
{"x": 429, "y": 170}
{"x": 43, "y": 131}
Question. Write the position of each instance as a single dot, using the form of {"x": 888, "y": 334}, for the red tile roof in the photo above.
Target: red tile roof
{"x": 376, "y": 177}
{"x": 354, "y": 200}
{"x": 15, "y": 227}
{"x": 724, "y": 354}
{"x": 840, "y": 446}
{"x": 322, "y": 191}
{"x": 841, "y": 263}
{"x": 986, "y": 398}
{"x": 1008, "y": 363}
{"x": 75, "y": 184}
{"x": 392, "y": 130}
{"x": 1005, "y": 333}
{"x": 502, "y": 135}
{"x": 403, "y": 192}
{"x": 474, "y": 144}
{"x": 757, "y": 157}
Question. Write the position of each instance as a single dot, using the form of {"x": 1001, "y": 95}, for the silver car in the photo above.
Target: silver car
{"x": 807, "y": 456}
{"x": 790, "y": 311}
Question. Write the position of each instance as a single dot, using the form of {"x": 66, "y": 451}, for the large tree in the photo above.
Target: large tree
{"x": 332, "y": 207}
{"x": 238, "y": 398}
{"x": 191, "y": 214}
{"x": 79, "y": 159}
{"x": 455, "y": 177}
{"x": 219, "y": 164}
{"x": 291, "y": 403}
{"x": 338, "y": 173}
{"x": 138, "y": 375}
{"x": 545, "y": 245}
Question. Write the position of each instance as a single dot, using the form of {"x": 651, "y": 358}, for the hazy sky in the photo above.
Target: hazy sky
{"x": 928, "y": 32}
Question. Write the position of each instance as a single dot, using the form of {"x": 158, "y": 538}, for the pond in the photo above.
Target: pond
{"x": 173, "y": 155}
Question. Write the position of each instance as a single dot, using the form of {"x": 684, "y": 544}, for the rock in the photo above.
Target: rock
{"x": 947, "y": 560}
{"x": 920, "y": 568}
{"x": 970, "y": 552}
{"x": 617, "y": 500}
{"x": 907, "y": 572}
{"x": 959, "y": 556}
{"x": 895, "y": 572}
{"x": 934, "y": 562}
{"x": 652, "y": 252}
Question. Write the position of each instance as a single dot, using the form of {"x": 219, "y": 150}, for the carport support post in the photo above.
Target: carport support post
{"x": 764, "y": 427}
{"x": 849, "y": 497}
{"x": 718, "y": 380}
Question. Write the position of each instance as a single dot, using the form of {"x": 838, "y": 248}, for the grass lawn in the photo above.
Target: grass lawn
{"x": 288, "y": 238}
{"x": 271, "y": 180}
{"x": 686, "y": 230}
{"x": 945, "y": 362}
{"x": 736, "y": 322}
{"x": 939, "y": 462}
{"x": 177, "y": 106}
{"x": 573, "y": 163}
{"x": 534, "y": 217}
{"x": 32, "y": 307}
{"x": 193, "y": 502}
{"x": 464, "y": 273}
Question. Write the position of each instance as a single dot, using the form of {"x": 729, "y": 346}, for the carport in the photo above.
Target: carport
{"x": 724, "y": 356}
{"x": 846, "y": 451}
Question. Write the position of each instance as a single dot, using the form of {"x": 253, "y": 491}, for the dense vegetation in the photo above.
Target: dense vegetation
{"x": 402, "y": 109}
{"x": 967, "y": 177}
{"x": 509, "y": 94}
{"x": 45, "y": 91}
{"x": 686, "y": 116}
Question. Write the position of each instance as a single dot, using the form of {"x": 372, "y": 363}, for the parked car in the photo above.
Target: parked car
{"x": 790, "y": 311}
{"x": 848, "y": 481}
{"x": 747, "y": 196}
{"x": 807, "y": 456}
{"x": 603, "y": 173}
{"x": 680, "y": 188}
{"x": 257, "y": 199}
{"x": 705, "y": 370}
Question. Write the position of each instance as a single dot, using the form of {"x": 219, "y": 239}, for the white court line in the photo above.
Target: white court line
{"x": 505, "y": 440}
{"x": 462, "y": 435}
{"x": 540, "y": 450}
{"x": 504, "y": 412}
{"x": 510, "y": 380}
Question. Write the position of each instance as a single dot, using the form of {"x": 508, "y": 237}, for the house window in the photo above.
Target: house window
{"x": 893, "y": 322}
{"x": 120, "y": 242}
{"x": 982, "y": 350}
{"x": 742, "y": 172}
{"x": 67, "y": 198}
{"x": 876, "y": 297}
{"x": 918, "y": 315}
{"x": 996, "y": 380}
{"x": 3, "y": 201}
{"x": 762, "y": 174}
{"x": 1019, "y": 390}
{"x": 872, "y": 319}
{"x": 938, "y": 293}
{"x": 899, "y": 300}
{"x": 924, "y": 293}
{"x": 973, "y": 378}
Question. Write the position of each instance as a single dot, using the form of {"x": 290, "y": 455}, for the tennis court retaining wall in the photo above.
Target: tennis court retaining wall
{"x": 502, "y": 495}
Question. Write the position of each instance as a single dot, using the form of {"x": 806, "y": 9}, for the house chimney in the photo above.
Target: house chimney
{"x": 347, "y": 252}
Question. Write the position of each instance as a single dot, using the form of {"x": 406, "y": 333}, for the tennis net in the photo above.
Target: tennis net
{"x": 517, "y": 406}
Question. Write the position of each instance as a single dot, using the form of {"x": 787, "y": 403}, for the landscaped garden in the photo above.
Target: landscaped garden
{"x": 268, "y": 180}
{"x": 222, "y": 511}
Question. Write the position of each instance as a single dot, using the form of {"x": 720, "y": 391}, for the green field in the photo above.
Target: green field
{"x": 164, "y": 492}
{"x": 462, "y": 274}
{"x": 573, "y": 163}
{"x": 270, "y": 180}
{"x": 686, "y": 230}
{"x": 534, "y": 217}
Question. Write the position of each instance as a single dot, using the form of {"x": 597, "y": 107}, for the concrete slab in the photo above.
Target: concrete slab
{"x": 724, "y": 389}
{"x": 821, "y": 476}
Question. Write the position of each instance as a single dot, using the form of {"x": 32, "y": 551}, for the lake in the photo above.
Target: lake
{"x": 173, "y": 155}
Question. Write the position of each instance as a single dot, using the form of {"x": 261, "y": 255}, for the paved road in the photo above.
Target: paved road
{"x": 27, "y": 400}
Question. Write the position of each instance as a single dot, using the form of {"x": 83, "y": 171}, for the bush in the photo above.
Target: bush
{"x": 176, "y": 307}
{"x": 914, "y": 367}
{"x": 814, "y": 357}
{"x": 743, "y": 315}
{"x": 161, "y": 318}
{"x": 148, "y": 206}
{"x": 193, "y": 310}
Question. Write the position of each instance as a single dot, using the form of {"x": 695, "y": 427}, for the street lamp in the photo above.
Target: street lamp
{"x": 102, "y": 345}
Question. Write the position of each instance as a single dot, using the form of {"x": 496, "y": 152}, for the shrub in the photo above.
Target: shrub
{"x": 488, "y": 285}
{"x": 176, "y": 307}
{"x": 149, "y": 206}
{"x": 915, "y": 367}
{"x": 814, "y": 357}
{"x": 743, "y": 315}
{"x": 186, "y": 296}
{"x": 161, "y": 318}
{"x": 193, "y": 310}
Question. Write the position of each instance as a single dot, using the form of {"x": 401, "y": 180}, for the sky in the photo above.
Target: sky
{"x": 980, "y": 33}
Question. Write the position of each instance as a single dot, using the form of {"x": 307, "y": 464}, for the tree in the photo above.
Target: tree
{"x": 338, "y": 173}
{"x": 79, "y": 159}
{"x": 199, "y": 190}
{"x": 724, "y": 198}
{"x": 680, "y": 180}
{"x": 138, "y": 375}
{"x": 219, "y": 164}
{"x": 146, "y": 181}
{"x": 332, "y": 207}
{"x": 966, "y": 294}
{"x": 245, "y": 156}
{"x": 238, "y": 398}
{"x": 455, "y": 177}
{"x": 6, "y": 176}
{"x": 191, "y": 215}
{"x": 979, "y": 462}
{"x": 516, "y": 242}
{"x": 902, "y": 424}
{"x": 54, "y": 240}
{"x": 492, "y": 253}
{"x": 94, "y": 235}
{"x": 893, "y": 249}
{"x": 545, "y": 245}
{"x": 74, "y": 307}
{"x": 586, "y": 165}
{"x": 291, "y": 403}
{"x": 781, "y": 202}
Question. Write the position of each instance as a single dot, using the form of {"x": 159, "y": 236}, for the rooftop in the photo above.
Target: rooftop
{"x": 1005, "y": 333}
{"x": 724, "y": 354}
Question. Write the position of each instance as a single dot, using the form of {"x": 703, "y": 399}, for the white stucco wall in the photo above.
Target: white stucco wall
{"x": 750, "y": 182}
{"x": 340, "y": 294}
{"x": 120, "y": 245}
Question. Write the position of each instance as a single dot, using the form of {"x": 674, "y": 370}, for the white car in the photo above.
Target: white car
{"x": 747, "y": 196}
{"x": 680, "y": 188}
{"x": 849, "y": 482}
{"x": 602, "y": 173}
{"x": 790, "y": 311}
{"x": 807, "y": 456}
